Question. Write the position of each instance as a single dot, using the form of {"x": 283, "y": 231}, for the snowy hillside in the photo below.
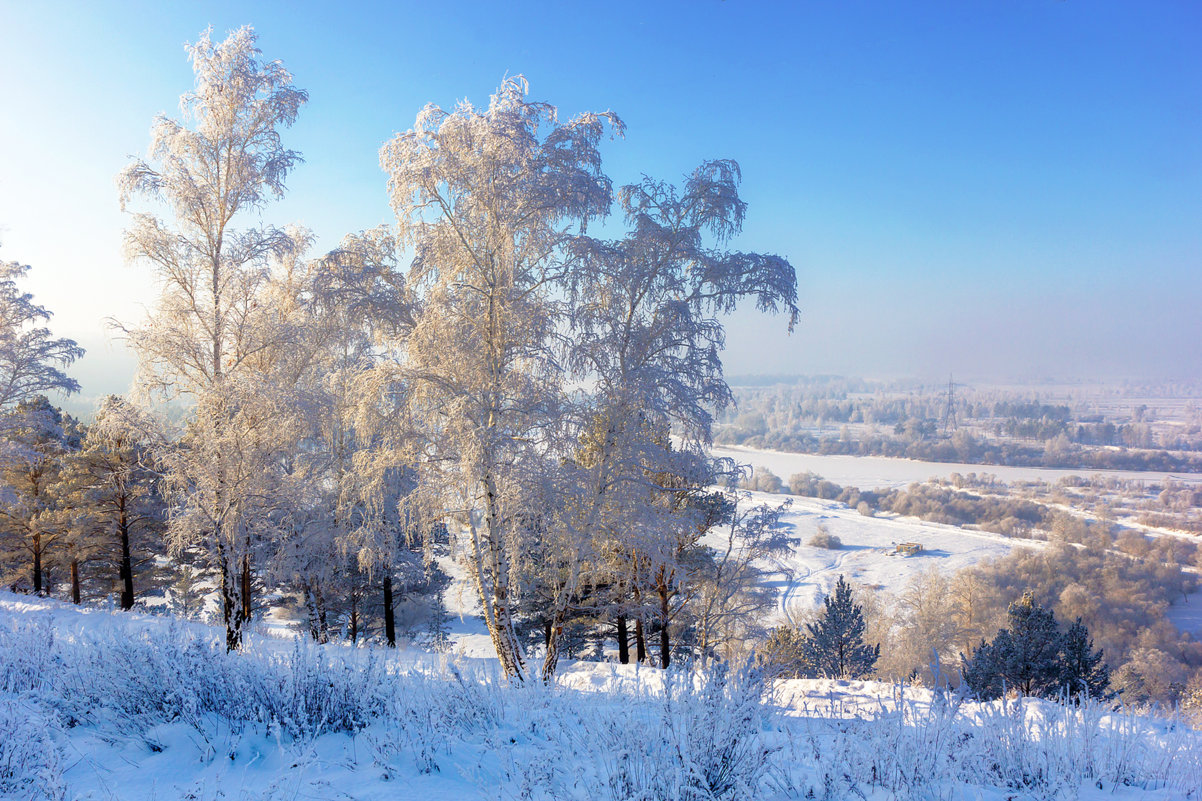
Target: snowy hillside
{"x": 806, "y": 574}
{"x": 99, "y": 705}
{"x": 868, "y": 555}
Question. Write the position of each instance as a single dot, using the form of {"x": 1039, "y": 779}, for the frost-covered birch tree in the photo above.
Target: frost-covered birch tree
{"x": 647, "y": 334}
{"x": 31, "y": 359}
{"x": 734, "y": 594}
{"x": 647, "y": 308}
{"x": 488, "y": 199}
{"x": 222, "y": 160}
{"x": 355, "y": 298}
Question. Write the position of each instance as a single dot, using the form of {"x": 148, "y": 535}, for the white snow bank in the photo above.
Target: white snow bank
{"x": 115, "y": 706}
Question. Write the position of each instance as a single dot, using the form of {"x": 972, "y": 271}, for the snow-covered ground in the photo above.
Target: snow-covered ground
{"x": 872, "y": 472}
{"x": 866, "y": 558}
{"x": 868, "y": 554}
{"x": 1186, "y": 614}
{"x": 109, "y": 705}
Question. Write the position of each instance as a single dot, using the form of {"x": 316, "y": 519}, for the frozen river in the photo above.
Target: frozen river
{"x": 871, "y": 472}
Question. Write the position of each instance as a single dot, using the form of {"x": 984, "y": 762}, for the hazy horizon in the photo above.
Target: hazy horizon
{"x": 1002, "y": 190}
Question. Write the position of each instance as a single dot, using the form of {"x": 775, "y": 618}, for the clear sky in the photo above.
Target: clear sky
{"x": 1000, "y": 188}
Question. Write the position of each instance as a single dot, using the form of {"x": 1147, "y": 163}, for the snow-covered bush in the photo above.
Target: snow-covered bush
{"x": 607, "y": 732}
{"x": 306, "y": 694}
{"x": 919, "y": 746}
{"x": 823, "y": 538}
{"x": 692, "y": 736}
{"x": 712, "y": 728}
{"x": 27, "y": 649}
{"x": 31, "y": 754}
{"x": 428, "y": 711}
{"x": 762, "y": 480}
{"x": 130, "y": 682}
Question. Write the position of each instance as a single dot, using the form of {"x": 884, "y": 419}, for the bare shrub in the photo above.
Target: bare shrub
{"x": 823, "y": 538}
{"x": 762, "y": 480}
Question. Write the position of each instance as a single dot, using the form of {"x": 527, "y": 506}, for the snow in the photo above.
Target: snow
{"x": 867, "y": 556}
{"x": 108, "y": 705}
{"x": 873, "y": 472}
{"x": 1186, "y": 614}
{"x": 467, "y": 633}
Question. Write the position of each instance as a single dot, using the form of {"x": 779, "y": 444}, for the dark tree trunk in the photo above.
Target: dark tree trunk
{"x": 553, "y": 633}
{"x": 547, "y": 633}
{"x": 37, "y": 564}
{"x": 227, "y": 601}
{"x": 75, "y": 581}
{"x": 246, "y": 599}
{"x": 354, "y": 617}
{"x": 389, "y": 612}
{"x": 665, "y": 652}
{"x": 233, "y": 636}
{"x": 127, "y": 564}
{"x": 623, "y": 641}
{"x": 322, "y": 623}
{"x": 640, "y": 642}
{"x": 230, "y": 611}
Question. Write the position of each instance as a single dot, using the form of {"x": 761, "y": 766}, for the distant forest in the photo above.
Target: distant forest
{"x": 1075, "y": 430}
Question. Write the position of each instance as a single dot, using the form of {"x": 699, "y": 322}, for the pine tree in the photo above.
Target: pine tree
{"x": 109, "y": 488}
{"x": 980, "y": 671}
{"x": 784, "y": 654}
{"x": 1033, "y": 657}
{"x": 1028, "y": 651}
{"x": 1082, "y": 671}
{"x": 438, "y": 626}
{"x": 185, "y": 596}
{"x": 38, "y": 439}
{"x": 834, "y": 644}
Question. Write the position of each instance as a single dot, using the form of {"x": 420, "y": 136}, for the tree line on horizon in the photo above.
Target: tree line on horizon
{"x": 995, "y": 428}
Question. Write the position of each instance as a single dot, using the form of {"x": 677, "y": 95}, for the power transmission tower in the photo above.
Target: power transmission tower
{"x": 949, "y": 411}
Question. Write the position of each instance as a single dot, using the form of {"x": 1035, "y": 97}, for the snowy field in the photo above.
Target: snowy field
{"x": 868, "y": 555}
{"x": 873, "y": 472}
{"x": 102, "y": 705}
{"x": 1186, "y": 614}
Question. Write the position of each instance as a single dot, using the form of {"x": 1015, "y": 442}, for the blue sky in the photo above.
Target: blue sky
{"x": 995, "y": 189}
